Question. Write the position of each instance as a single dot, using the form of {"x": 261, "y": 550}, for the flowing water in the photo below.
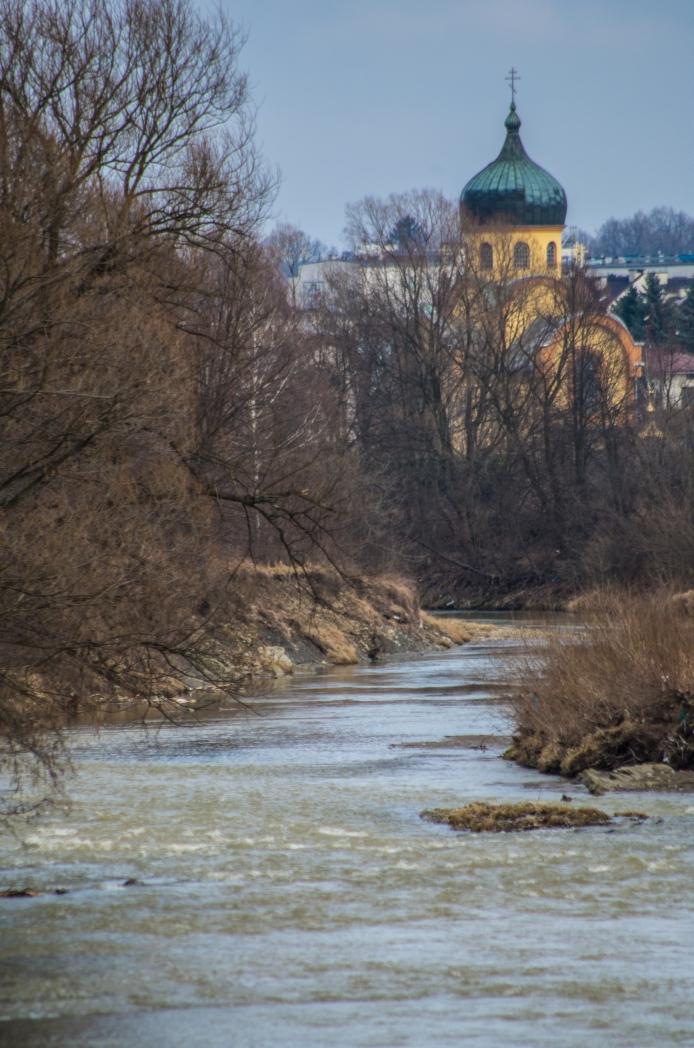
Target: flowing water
{"x": 292, "y": 896}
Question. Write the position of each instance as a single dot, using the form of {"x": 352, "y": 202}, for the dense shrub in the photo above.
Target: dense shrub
{"x": 617, "y": 690}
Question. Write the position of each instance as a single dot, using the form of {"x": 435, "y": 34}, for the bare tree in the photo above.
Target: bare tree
{"x": 268, "y": 446}
{"x": 498, "y": 409}
{"x": 661, "y": 231}
{"x": 126, "y": 158}
{"x": 293, "y": 247}
{"x": 394, "y": 325}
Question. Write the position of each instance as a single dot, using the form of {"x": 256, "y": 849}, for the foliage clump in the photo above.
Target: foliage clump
{"x": 479, "y": 817}
{"x": 618, "y": 690}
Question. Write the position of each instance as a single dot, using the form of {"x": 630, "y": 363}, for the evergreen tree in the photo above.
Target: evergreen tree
{"x": 630, "y": 309}
{"x": 685, "y": 321}
{"x": 657, "y": 312}
{"x": 407, "y": 233}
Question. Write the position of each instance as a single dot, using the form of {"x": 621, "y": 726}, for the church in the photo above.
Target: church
{"x": 512, "y": 217}
{"x": 514, "y": 213}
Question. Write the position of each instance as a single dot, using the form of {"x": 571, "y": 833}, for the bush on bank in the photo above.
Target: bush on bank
{"x": 619, "y": 690}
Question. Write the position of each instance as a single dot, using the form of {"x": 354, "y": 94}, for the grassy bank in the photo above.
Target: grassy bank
{"x": 285, "y": 621}
{"x": 619, "y": 690}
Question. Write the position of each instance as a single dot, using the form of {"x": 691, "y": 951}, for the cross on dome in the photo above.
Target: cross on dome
{"x": 513, "y": 75}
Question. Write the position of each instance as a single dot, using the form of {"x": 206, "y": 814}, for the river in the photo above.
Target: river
{"x": 290, "y": 894}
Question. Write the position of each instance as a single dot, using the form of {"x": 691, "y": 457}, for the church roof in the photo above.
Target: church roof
{"x": 513, "y": 188}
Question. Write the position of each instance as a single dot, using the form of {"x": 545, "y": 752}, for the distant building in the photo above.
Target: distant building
{"x": 617, "y": 275}
{"x": 668, "y": 370}
{"x": 670, "y": 376}
{"x": 313, "y": 279}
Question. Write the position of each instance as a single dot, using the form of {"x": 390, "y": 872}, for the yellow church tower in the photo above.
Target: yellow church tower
{"x": 514, "y": 210}
{"x": 513, "y": 213}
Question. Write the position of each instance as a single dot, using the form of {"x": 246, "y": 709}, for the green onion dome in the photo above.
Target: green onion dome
{"x": 513, "y": 189}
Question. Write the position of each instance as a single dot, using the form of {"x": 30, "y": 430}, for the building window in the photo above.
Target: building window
{"x": 486, "y": 256}
{"x": 551, "y": 255}
{"x": 521, "y": 255}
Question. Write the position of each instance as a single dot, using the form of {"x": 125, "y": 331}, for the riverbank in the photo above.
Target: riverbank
{"x": 531, "y": 598}
{"x": 272, "y": 622}
{"x": 289, "y": 620}
{"x": 469, "y": 591}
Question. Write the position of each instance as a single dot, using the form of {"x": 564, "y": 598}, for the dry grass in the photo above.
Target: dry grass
{"x": 620, "y": 690}
{"x": 345, "y": 619}
{"x": 457, "y": 630}
{"x": 501, "y": 818}
{"x": 333, "y": 642}
{"x": 585, "y": 602}
{"x": 319, "y": 616}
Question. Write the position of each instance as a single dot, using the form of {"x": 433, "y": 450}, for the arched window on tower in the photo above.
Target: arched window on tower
{"x": 521, "y": 255}
{"x": 551, "y": 255}
{"x": 486, "y": 256}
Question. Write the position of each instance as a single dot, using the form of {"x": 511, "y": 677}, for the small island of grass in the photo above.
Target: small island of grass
{"x": 479, "y": 817}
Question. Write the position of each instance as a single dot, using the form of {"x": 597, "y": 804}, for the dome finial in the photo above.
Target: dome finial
{"x": 512, "y": 122}
{"x": 513, "y": 75}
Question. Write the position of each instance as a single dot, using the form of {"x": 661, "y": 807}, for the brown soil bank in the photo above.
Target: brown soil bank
{"x": 619, "y": 691}
{"x": 289, "y": 621}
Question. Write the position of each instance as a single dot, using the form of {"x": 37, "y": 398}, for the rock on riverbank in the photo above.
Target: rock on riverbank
{"x": 638, "y": 777}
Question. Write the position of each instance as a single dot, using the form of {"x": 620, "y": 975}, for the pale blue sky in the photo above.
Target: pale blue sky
{"x": 378, "y": 96}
